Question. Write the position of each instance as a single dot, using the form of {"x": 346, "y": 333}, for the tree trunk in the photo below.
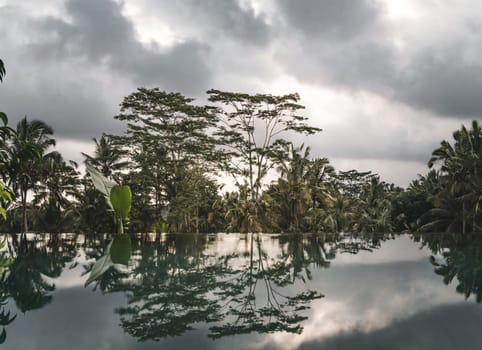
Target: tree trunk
{"x": 197, "y": 220}
{"x": 463, "y": 217}
{"x": 24, "y": 211}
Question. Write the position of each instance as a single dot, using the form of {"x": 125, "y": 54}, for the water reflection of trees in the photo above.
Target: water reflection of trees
{"x": 184, "y": 280}
{"x": 457, "y": 258}
{"x": 5, "y": 315}
{"x": 175, "y": 283}
{"x": 34, "y": 262}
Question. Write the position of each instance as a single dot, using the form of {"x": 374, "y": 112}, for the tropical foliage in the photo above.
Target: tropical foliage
{"x": 449, "y": 197}
{"x": 175, "y": 154}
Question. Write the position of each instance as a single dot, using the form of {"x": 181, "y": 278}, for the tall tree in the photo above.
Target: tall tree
{"x": 166, "y": 135}
{"x": 251, "y": 127}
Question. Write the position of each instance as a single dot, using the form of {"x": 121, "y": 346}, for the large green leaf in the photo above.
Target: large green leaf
{"x": 101, "y": 183}
{"x": 3, "y": 336}
{"x": 100, "y": 266}
{"x": 3, "y": 118}
{"x": 121, "y": 249}
{"x": 2, "y": 70}
{"x": 121, "y": 199}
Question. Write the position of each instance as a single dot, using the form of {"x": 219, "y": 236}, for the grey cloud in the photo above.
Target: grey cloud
{"x": 230, "y": 18}
{"x": 74, "y": 113}
{"x": 72, "y": 73}
{"x": 214, "y": 19}
{"x": 352, "y": 47}
{"x": 364, "y": 140}
{"x": 443, "y": 83}
{"x": 102, "y": 35}
{"x": 365, "y": 64}
{"x": 340, "y": 19}
{"x": 340, "y": 43}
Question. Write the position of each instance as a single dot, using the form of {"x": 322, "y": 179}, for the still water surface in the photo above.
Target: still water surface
{"x": 232, "y": 291}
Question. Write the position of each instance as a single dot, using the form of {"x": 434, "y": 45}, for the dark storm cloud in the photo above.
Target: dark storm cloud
{"x": 350, "y": 45}
{"x": 441, "y": 81}
{"x": 73, "y": 113}
{"x": 99, "y": 33}
{"x": 339, "y": 19}
{"x": 340, "y": 43}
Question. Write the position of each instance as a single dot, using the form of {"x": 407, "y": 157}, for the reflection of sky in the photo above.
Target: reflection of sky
{"x": 387, "y": 299}
{"x": 360, "y": 300}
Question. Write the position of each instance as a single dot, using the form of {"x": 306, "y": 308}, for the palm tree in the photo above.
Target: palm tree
{"x": 107, "y": 157}
{"x": 340, "y": 215}
{"x": 291, "y": 194}
{"x": 58, "y": 185}
{"x": 243, "y": 214}
{"x": 461, "y": 171}
{"x": 25, "y": 149}
{"x": 374, "y": 207}
{"x": 2, "y": 70}
{"x": 322, "y": 191}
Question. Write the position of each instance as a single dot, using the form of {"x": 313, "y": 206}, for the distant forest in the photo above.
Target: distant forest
{"x": 173, "y": 152}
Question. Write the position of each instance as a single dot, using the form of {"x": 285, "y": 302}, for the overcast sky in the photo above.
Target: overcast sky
{"x": 385, "y": 80}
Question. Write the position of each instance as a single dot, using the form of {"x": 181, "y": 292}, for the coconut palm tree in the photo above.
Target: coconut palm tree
{"x": 291, "y": 194}
{"x": 24, "y": 150}
{"x": 375, "y": 208}
{"x": 107, "y": 158}
{"x": 461, "y": 171}
{"x": 58, "y": 185}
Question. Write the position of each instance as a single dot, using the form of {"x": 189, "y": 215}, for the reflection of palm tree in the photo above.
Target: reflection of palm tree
{"x": 25, "y": 281}
{"x": 23, "y": 272}
{"x": 462, "y": 259}
{"x": 5, "y": 317}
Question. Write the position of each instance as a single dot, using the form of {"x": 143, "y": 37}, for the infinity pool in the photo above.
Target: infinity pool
{"x": 234, "y": 291}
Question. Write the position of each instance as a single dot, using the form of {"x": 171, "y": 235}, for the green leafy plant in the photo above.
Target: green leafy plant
{"x": 119, "y": 199}
{"x": 5, "y": 197}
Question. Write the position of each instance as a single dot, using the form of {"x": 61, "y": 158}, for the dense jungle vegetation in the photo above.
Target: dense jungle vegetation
{"x": 173, "y": 152}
